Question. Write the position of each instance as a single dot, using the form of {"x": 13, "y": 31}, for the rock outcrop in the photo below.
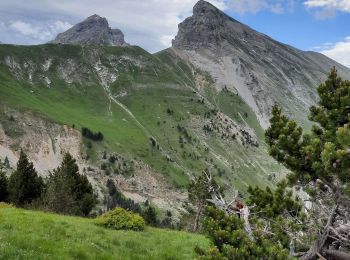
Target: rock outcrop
{"x": 94, "y": 30}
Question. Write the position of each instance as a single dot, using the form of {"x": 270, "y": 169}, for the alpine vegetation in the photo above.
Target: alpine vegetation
{"x": 239, "y": 142}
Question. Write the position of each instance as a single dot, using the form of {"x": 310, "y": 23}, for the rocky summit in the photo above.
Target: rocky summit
{"x": 207, "y": 28}
{"x": 94, "y": 30}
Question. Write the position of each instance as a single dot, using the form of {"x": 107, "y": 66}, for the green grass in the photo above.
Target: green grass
{"x": 36, "y": 235}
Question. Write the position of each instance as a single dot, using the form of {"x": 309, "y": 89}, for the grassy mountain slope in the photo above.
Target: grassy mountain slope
{"x": 35, "y": 235}
{"x": 134, "y": 97}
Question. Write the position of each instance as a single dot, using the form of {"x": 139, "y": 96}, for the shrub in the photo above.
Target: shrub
{"x": 87, "y": 133}
{"x": 89, "y": 145}
{"x": 170, "y": 111}
{"x": 112, "y": 159}
{"x": 119, "y": 218}
{"x": 153, "y": 141}
{"x": 4, "y": 205}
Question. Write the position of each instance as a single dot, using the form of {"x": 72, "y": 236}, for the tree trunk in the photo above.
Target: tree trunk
{"x": 292, "y": 247}
{"x": 199, "y": 213}
{"x": 245, "y": 212}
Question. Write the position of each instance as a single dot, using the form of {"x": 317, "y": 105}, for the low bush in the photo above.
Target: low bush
{"x": 119, "y": 218}
{"x": 4, "y": 205}
{"x": 87, "y": 133}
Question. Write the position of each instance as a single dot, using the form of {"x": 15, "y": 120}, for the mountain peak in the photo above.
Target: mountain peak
{"x": 95, "y": 16}
{"x": 203, "y": 6}
{"x": 207, "y": 27}
{"x": 94, "y": 30}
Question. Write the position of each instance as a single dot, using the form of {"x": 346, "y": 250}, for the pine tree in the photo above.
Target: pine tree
{"x": 2, "y": 166}
{"x": 230, "y": 240}
{"x": 320, "y": 160}
{"x": 150, "y": 216}
{"x": 286, "y": 145}
{"x": 24, "y": 184}
{"x": 116, "y": 199}
{"x": 3, "y": 183}
{"x": 333, "y": 107}
{"x": 7, "y": 163}
{"x": 69, "y": 192}
{"x": 58, "y": 197}
{"x": 323, "y": 154}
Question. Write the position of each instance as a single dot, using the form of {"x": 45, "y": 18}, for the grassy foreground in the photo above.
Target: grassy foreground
{"x": 36, "y": 235}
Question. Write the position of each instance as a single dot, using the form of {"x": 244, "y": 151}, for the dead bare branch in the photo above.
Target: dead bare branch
{"x": 218, "y": 200}
{"x": 336, "y": 254}
{"x": 319, "y": 243}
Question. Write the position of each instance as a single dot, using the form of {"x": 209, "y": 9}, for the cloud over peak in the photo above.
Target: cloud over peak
{"x": 339, "y": 51}
{"x": 328, "y": 8}
{"x": 341, "y": 5}
{"x": 148, "y": 23}
{"x": 42, "y": 32}
{"x": 255, "y": 6}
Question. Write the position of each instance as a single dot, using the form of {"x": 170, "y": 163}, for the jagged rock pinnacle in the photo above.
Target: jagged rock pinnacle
{"x": 205, "y": 28}
{"x": 203, "y": 6}
{"x": 94, "y": 30}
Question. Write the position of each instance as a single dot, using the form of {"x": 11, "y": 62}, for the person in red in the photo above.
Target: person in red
{"x": 239, "y": 205}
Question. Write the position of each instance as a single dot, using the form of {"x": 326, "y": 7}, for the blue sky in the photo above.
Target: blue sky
{"x": 319, "y": 25}
{"x": 299, "y": 26}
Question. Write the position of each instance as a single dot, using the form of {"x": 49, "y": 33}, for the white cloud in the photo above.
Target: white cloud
{"x": 255, "y": 6}
{"x": 341, "y": 5}
{"x": 325, "y": 13}
{"x": 148, "y": 23}
{"x": 328, "y": 8}
{"x": 339, "y": 51}
{"x": 60, "y": 26}
{"x": 42, "y": 32}
{"x": 166, "y": 40}
{"x": 24, "y": 28}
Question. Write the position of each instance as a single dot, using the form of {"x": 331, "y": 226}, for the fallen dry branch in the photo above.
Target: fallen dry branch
{"x": 317, "y": 247}
{"x": 336, "y": 254}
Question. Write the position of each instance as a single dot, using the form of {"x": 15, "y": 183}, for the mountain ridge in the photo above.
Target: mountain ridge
{"x": 252, "y": 63}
